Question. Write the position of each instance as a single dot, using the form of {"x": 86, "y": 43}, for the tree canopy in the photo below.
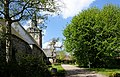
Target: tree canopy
{"x": 16, "y": 10}
{"x": 94, "y": 36}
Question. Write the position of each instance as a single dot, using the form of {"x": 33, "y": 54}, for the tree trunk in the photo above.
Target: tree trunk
{"x": 40, "y": 38}
{"x": 8, "y": 31}
{"x": 8, "y": 42}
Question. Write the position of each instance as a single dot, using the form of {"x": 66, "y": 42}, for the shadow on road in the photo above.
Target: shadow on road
{"x": 80, "y": 73}
{"x": 73, "y": 71}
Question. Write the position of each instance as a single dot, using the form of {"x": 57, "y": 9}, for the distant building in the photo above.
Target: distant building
{"x": 51, "y": 56}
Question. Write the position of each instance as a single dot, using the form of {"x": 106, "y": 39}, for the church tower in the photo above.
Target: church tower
{"x": 34, "y": 31}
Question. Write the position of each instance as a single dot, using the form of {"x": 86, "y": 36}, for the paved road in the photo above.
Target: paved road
{"x": 73, "y": 71}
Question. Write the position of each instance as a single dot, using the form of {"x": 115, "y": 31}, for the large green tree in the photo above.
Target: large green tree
{"x": 17, "y": 10}
{"x": 94, "y": 36}
{"x": 61, "y": 55}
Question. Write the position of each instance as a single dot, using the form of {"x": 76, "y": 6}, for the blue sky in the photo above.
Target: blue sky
{"x": 56, "y": 24}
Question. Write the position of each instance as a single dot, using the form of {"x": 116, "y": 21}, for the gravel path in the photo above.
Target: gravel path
{"x": 73, "y": 71}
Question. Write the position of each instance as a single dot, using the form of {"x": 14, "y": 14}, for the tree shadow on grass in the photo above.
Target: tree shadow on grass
{"x": 60, "y": 73}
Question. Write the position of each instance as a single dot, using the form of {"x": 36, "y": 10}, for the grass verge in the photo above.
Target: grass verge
{"x": 105, "y": 71}
{"x": 60, "y": 71}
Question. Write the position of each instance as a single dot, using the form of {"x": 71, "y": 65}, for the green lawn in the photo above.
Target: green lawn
{"x": 104, "y": 71}
{"x": 60, "y": 70}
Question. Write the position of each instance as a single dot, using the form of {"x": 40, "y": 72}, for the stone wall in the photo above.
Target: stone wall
{"x": 20, "y": 45}
{"x": 39, "y": 52}
{"x": 21, "y": 48}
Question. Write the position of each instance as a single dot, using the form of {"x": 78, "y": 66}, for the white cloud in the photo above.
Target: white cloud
{"x": 46, "y": 44}
{"x": 73, "y": 7}
{"x": 69, "y": 8}
{"x": 27, "y": 24}
{"x": 58, "y": 44}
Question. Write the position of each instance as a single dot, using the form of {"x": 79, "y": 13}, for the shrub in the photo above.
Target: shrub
{"x": 31, "y": 66}
{"x": 114, "y": 75}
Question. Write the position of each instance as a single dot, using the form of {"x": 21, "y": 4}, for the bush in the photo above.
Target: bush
{"x": 31, "y": 66}
{"x": 114, "y": 75}
{"x": 27, "y": 66}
